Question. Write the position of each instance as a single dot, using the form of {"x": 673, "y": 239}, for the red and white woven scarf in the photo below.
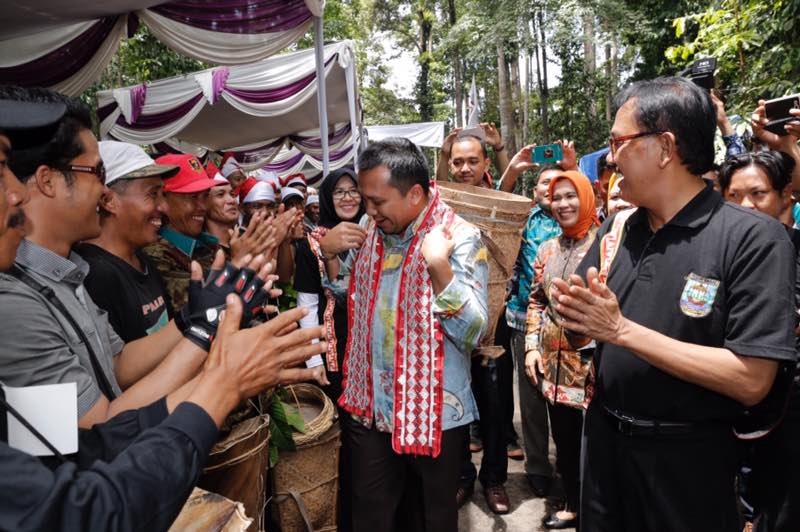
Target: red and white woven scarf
{"x": 327, "y": 317}
{"x": 419, "y": 341}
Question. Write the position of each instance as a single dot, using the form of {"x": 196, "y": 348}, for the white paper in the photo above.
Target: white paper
{"x": 52, "y": 409}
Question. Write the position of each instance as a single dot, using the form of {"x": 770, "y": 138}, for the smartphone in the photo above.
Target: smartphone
{"x": 778, "y": 113}
{"x": 547, "y": 153}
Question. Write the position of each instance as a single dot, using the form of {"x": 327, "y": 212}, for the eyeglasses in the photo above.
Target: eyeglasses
{"x": 615, "y": 142}
{"x": 99, "y": 170}
{"x": 340, "y": 194}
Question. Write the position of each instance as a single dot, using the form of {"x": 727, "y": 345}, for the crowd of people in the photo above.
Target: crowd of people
{"x": 652, "y": 321}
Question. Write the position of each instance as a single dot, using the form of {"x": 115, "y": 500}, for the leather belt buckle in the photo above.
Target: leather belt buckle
{"x": 625, "y": 425}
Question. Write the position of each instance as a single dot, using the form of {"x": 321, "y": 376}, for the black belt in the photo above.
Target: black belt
{"x": 631, "y": 426}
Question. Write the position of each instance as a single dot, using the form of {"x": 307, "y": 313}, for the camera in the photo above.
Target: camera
{"x": 701, "y": 72}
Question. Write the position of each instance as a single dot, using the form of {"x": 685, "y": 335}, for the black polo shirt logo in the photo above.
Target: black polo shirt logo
{"x": 698, "y": 295}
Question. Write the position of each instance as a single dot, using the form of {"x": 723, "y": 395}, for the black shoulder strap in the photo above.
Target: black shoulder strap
{"x": 51, "y": 297}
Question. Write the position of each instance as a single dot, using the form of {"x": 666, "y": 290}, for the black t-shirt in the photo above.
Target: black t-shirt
{"x": 134, "y": 300}
{"x": 716, "y": 275}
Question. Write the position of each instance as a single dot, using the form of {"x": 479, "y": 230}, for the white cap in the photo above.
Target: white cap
{"x": 230, "y": 167}
{"x": 312, "y": 200}
{"x": 288, "y": 192}
{"x": 261, "y": 191}
{"x": 129, "y": 161}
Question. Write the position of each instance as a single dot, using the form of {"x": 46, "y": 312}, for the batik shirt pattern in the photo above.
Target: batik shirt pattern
{"x": 461, "y": 308}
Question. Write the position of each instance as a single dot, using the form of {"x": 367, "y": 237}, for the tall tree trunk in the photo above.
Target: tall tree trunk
{"x": 424, "y": 98}
{"x": 610, "y": 82}
{"x": 544, "y": 90}
{"x": 526, "y": 133}
{"x": 516, "y": 92}
{"x": 458, "y": 84}
{"x": 506, "y": 115}
{"x": 612, "y": 73}
{"x": 590, "y": 68}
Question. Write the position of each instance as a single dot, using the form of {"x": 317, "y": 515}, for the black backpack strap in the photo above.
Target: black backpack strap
{"x": 50, "y": 296}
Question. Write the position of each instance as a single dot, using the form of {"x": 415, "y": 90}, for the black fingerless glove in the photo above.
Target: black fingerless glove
{"x": 199, "y": 318}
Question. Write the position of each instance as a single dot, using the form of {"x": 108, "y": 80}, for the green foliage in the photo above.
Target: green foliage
{"x": 284, "y": 419}
{"x": 140, "y": 59}
{"x": 754, "y": 43}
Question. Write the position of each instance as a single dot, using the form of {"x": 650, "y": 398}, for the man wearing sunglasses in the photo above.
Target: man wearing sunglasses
{"x": 692, "y": 309}
{"x": 122, "y": 478}
{"x": 51, "y": 328}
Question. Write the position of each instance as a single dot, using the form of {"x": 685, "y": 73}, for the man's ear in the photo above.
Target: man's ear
{"x": 669, "y": 149}
{"x": 786, "y": 196}
{"x": 109, "y": 201}
{"x": 44, "y": 180}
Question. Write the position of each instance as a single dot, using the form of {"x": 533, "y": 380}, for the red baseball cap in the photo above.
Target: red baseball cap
{"x": 191, "y": 176}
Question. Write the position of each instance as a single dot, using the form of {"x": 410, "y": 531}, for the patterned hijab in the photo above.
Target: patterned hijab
{"x": 587, "y": 215}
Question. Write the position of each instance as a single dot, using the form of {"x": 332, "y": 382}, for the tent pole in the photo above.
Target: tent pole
{"x": 322, "y": 100}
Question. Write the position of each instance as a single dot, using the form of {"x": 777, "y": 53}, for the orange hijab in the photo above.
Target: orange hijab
{"x": 587, "y": 215}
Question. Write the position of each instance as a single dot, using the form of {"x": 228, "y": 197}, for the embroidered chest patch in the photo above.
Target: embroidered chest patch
{"x": 698, "y": 295}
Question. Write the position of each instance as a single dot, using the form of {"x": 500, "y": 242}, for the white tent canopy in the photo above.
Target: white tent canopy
{"x": 427, "y": 134}
{"x": 238, "y": 107}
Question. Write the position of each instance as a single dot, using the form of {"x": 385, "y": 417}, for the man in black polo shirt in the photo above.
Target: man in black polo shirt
{"x": 696, "y": 313}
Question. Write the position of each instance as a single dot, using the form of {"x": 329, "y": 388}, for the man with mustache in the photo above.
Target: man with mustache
{"x": 52, "y": 330}
{"x": 121, "y": 478}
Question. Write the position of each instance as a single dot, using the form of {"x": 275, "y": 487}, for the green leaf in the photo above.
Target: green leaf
{"x": 680, "y": 26}
{"x": 294, "y": 419}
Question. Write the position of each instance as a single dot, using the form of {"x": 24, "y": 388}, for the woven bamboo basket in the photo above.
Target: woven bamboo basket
{"x": 306, "y": 481}
{"x": 501, "y": 217}
{"x": 237, "y": 467}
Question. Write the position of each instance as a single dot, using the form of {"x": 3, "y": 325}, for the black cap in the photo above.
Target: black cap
{"x": 27, "y": 124}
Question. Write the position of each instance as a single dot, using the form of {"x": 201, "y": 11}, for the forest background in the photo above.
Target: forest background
{"x": 594, "y": 47}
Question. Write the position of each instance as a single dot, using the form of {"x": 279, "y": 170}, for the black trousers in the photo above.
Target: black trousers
{"x": 774, "y": 481}
{"x": 657, "y": 484}
{"x": 566, "y": 424}
{"x": 393, "y": 492}
{"x": 488, "y": 386}
{"x": 502, "y": 337}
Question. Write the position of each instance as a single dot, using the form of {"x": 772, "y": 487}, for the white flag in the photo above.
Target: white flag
{"x": 474, "y": 106}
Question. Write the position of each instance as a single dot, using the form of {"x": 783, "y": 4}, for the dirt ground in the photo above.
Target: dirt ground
{"x": 527, "y": 511}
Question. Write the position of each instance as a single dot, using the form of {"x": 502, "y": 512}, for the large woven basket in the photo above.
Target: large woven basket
{"x": 306, "y": 481}
{"x": 237, "y": 467}
{"x": 501, "y": 217}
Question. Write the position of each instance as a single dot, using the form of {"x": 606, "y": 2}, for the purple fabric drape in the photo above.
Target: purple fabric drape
{"x": 218, "y": 79}
{"x": 138, "y": 95}
{"x": 237, "y": 16}
{"x": 161, "y": 119}
{"x": 276, "y": 95}
{"x": 63, "y": 62}
{"x": 272, "y": 95}
{"x": 334, "y": 137}
{"x": 260, "y": 152}
{"x": 283, "y": 166}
